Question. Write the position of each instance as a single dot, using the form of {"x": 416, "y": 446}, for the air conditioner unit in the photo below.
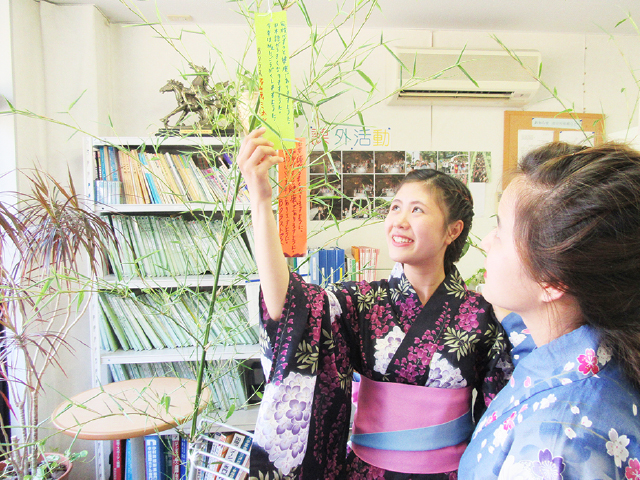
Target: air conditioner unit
{"x": 501, "y": 80}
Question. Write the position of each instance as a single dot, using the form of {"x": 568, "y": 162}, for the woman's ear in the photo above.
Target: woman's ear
{"x": 454, "y": 230}
{"x": 550, "y": 293}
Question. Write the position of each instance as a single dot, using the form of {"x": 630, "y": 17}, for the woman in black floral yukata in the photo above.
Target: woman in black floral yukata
{"x": 421, "y": 341}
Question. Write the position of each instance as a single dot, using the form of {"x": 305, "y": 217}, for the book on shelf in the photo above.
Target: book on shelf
{"x": 184, "y": 450}
{"x": 165, "y": 246}
{"x": 133, "y": 451}
{"x": 326, "y": 265}
{"x": 366, "y": 260}
{"x": 159, "y": 319}
{"x": 140, "y": 183}
{"x": 107, "y": 192}
{"x": 230, "y": 457}
{"x": 211, "y": 448}
{"x": 331, "y": 265}
{"x": 114, "y": 172}
{"x": 173, "y": 456}
{"x": 221, "y": 456}
{"x": 127, "y": 180}
{"x": 149, "y": 178}
{"x": 118, "y": 459}
{"x": 155, "y": 460}
{"x": 168, "y": 177}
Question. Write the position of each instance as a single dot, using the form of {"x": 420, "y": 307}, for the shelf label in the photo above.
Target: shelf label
{"x": 276, "y": 106}
{"x": 292, "y": 200}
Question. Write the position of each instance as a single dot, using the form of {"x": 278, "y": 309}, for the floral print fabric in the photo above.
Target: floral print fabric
{"x": 382, "y": 331}
{"x": 568, "y": 412}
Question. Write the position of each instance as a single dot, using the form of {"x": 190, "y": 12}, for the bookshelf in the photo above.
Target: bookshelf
{"x": 164, "y": 287}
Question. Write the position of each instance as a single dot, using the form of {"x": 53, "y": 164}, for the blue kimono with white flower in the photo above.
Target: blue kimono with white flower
{"x": 381, "y": 330}
{"x": 568, "y": 412}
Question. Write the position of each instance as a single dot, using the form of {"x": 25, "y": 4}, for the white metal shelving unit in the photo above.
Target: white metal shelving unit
{"x": 241, "y": 418}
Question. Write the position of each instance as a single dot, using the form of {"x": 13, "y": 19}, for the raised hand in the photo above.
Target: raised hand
{"x": 255, "y": 158}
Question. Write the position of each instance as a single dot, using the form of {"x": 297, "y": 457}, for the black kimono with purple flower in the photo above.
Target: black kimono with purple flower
{"x": 382, "y": 331}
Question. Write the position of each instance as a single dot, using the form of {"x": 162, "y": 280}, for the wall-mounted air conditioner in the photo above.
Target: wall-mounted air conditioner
{"x": 502, "y": 81}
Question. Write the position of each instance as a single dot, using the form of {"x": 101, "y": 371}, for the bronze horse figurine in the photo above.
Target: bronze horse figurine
{"x": 189, "y": 100}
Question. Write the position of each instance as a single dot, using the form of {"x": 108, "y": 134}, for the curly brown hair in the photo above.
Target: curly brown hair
{"x": 578, "y": 229}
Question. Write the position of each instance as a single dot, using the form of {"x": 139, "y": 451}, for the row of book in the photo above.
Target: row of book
{"x": 214, "y": 456}
{"x": 230, "y": 382}
{"x": 175, "y": 246}
{"x": 364, "y": 261}
{"x": 332, "y": 265}
{"x": 164, "y": 177}
{"x": 166, "y": 319}
{"x": 222, "y": 456}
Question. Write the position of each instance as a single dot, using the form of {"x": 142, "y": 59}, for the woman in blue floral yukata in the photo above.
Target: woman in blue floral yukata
{"x": 565, "y": 258}
{"x": 421, "y": 341}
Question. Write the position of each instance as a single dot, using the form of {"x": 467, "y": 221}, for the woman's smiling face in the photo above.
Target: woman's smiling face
{"x": 416, "y": 226}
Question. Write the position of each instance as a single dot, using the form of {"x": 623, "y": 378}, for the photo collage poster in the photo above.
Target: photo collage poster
{"x": 361, "y": 184}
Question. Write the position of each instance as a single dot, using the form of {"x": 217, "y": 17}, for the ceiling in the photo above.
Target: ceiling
{"x": 565, "y": 16}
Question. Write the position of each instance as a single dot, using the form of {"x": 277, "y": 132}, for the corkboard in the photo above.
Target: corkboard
{"x": 523, "y": 129}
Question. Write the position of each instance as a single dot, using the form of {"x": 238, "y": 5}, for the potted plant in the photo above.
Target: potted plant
{"x": 52, "y": 249}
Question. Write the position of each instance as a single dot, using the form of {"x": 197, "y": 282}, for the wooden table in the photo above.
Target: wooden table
{"x": 129, "y": 409}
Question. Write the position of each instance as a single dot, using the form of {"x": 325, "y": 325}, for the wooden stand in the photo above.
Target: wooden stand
{"x": 130, "y": 409}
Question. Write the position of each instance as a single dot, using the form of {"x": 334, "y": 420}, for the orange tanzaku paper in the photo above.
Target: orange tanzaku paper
{"x": 292, "y": 200}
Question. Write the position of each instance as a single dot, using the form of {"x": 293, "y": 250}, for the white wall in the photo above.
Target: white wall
{"x": 59, "y": 52}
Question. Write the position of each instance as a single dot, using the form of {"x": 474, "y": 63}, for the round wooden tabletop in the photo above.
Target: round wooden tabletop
{"x": 129, "y": 409}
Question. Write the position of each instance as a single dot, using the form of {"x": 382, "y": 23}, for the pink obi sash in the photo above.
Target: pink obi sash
{"x": 411, "y": 428}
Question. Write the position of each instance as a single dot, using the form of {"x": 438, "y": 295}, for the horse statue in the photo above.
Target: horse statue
{"x": 188, "y": 102}
{"x": 214, "y": 104}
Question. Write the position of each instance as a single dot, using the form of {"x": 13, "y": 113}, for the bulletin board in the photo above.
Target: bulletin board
{"x": 524, "y": 131}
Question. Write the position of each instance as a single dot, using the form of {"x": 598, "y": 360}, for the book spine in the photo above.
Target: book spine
{"x": 159, "y": 176}
{"x": 154, "y": 457}
{"x": 127, "y": 179}
{"x": 180, "y": 188}
{"x": 114, "y": 173}
{"x": 339, "y": 265}
{"x": 314, "y": 268}
{"x": 150, "y": 181}
{"x": 323, "y": 268}
{"x": 118, "y": 459}
{"x": 103, "y": 156}
{"x": 184, "y": 448}
{"x": 135, "y": 450}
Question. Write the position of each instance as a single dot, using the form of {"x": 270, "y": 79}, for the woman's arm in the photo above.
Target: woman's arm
{"x": 255, "y": 158}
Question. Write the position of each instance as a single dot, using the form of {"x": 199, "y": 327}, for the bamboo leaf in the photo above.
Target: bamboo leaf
{"x": 344, "y": 43}
{"x": 303, "y": 9}
{"x": 402, "y": 65}
{"x": 620, "y": 23}
{"x": 77, "y": 99}
{"x": 468, "y": 76}
{"x": 366, "y": 78}
{"x": 460, "y": 56}
{"x": 43, "y": 291}
{"x": 165, "y": 401}
{"x": 364, "y": 130}
{"x": 325, "y": 146}
{"x": 325, "y": 100}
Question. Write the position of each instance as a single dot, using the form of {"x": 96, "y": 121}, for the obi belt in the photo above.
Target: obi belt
{"x": 411, "y": 428}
